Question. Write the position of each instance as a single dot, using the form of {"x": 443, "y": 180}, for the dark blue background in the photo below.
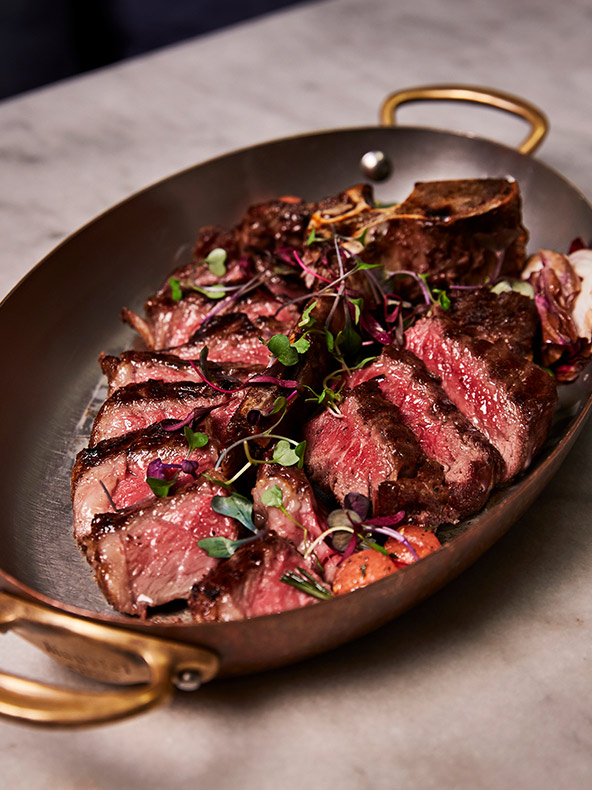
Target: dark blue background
{"x": 46, "y": 40}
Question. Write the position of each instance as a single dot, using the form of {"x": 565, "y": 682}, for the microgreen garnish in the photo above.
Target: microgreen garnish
{"x": 216, "y": 261}
{"x": 285, "y": 352}
{"x": 195, "y": 439}
{"x": 287, "y": 456}
{"x": 307, "y": 321}
{"x": 223, "y": 548}
{"x": 312, "y": 236}
{"x": 159, "y": 486}
{"x": 194, "y": 416}
{"x": 306, "y": 583}
{"x": 210, "y": 291}
{"x": 235, "y": 506}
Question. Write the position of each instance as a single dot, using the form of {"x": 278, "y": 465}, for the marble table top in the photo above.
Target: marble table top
{"x": 486, "y": 684}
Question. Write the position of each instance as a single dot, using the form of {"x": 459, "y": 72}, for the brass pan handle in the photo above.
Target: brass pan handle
{"x": 152, "y": 666}
{"x": 507, "y": 102}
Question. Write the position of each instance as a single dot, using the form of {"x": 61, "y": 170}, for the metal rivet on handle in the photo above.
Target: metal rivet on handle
{"x": 187, "y": 680}
{"x": 376, "y": 165}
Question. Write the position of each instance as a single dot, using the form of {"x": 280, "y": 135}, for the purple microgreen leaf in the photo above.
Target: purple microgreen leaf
{"x": 359, "y": 503}
{"x": 156, "y": 469}
{"x": 254, "y": 416}
{"x": 190, "y": 467}
{"x": 371, "y": 326}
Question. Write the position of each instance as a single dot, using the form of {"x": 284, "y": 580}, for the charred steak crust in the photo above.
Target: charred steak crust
{"x": 509, "y": 316}
{"x": 471, "y": 464}
{"x": 136, "y": 406}
{"x": 149, "y": 555}
{"x": 369, "y": 446}
{"x": 508, "y": 398}
{"x": 249, "y": 583}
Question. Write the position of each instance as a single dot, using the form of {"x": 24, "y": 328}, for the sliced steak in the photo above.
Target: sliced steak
{"x": 249, "y": 583}
{"x": 149, "y": 556}
{"x": 137, "y": 406}
{"x": 509, "y": 316}
{"x": 471, "y": 465}
{"x": 230, "y": 338}
{"x": 306, "y": 519}
{"x": 117, "y": 467}
{"x": 507, "y": 397}
{"x": 369, "y": 446}
{"x": 133, "y": 367}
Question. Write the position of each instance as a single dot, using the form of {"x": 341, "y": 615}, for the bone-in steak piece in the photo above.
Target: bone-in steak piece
{"x": 507, "y": 397}
{"x": 471, "y": 464}
{"x": 370, "y": 446}
{"x": 249, "y": 583}
{"x": 149, "y": 556}
{"x": 137, "y": 406}
{"x": 117, "y": 468}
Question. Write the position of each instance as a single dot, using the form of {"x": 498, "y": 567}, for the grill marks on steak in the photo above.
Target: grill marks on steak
{"x": 508, "y": 398}
{"x": 169, "y": 323}
{"x": 370, "y": 446}
{"x": 149, "y": 556}
{"x": 137, "y": 406}
{"x": 249, "y": 583}
{"x": 133, "y": 367}
{"x": 471, "y": 465}
{"x": 120, "y": 466}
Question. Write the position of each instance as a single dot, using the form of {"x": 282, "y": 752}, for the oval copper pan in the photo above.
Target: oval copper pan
{"x": 66, "y": 311}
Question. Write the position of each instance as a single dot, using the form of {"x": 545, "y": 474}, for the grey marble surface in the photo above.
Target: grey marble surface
{"x": 485, "y": 685}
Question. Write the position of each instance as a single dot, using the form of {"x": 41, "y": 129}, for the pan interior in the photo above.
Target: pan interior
{"x": 67, "y": 310}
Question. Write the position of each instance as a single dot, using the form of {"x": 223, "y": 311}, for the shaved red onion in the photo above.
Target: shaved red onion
{"x": 194, "y": 416}
{"x": 301, "y": 263}
{"x": 286, "y": 383}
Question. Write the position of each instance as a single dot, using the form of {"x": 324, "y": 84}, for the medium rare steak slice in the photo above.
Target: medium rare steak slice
{"x": 368, "y": 446}
{"x": 133, "y": 367}
{"x": 137, "y": 406}
{"x": 171, "y": 323}
{"x": 230, "y": 338}
{"x": 305, "y": 520}
{"x": 471, "y": 465}
{"x": 509, "y": 316}
{"x": 507, "y": 397}
{"x": 149, "y": 556}
{"x": 249, "y": 583}
{"x": 117, "y": 467}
